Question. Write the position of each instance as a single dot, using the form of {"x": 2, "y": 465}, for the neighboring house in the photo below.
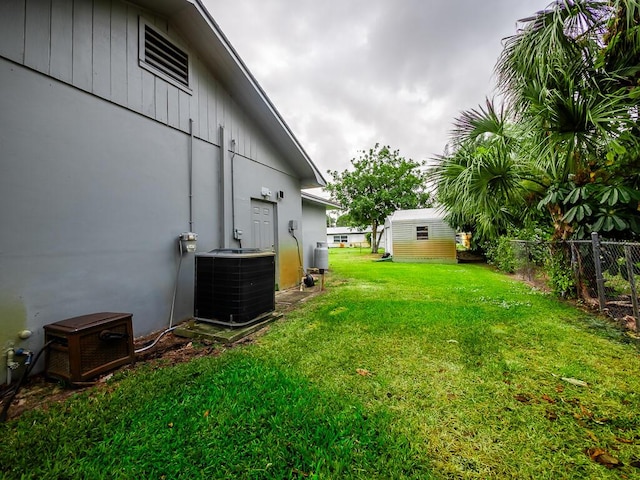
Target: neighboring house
{"x": 420, "y": 235}
{"x": 123, "y": 124}
{"x": 350, "y": 237}
{"x": 314, "y": 225}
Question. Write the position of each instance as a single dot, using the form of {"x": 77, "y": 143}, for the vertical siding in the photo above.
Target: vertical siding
{"x": 203, "y": 103}
{"x": 92, "y": 45}
{"x": 118, "y": 53}
{"x": 148, "y": 94}
{"x": 220, "y": 110}
{"x": 173, "y": 107}
{"x": 212, "y": 117}
{"x": 61, "y": 66}
{"x": 194, "y": 98}
{"x": 235, "y": 127}
{"x": 161, "y": 100}
{"x": 134, "y": 72}
{"x": 82, "y": 50}
{"x": 184, "y": 110}
{"x": 101, "y": 49}
{"x": 12, "y": 29}
{"x": 37, "y": 27}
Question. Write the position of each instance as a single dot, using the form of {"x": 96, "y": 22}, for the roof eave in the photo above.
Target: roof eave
{"x": 320, "y": 201}
{"x": 216, "y": 50}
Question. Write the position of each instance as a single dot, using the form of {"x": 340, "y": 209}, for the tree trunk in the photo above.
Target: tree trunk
{"x": 374, "y": 237}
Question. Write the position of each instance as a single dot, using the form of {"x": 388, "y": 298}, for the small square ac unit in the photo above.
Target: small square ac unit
{"x": 87, "y": 346}
{"x": 234, "y": 286}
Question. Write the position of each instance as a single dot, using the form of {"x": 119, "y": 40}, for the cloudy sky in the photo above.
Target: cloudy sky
{"x": 345, "y": 74}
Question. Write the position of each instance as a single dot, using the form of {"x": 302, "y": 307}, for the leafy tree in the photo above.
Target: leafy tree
{"x": 344, "y": 220}
{"x": 380, "y": 183}
{"x": 567, "y": 140}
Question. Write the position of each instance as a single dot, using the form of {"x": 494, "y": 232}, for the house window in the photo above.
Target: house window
{"x": 340, "y": 238}
{"x": 422, "y": 233}
{"x": 162, "y": 57}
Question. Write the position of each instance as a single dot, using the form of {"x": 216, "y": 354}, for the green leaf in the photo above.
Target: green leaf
{"x": 599, "y": 223}
{"x": 608, "y": 224}
{"x": 573, "y": 196}
{"x": 625, "y": 196}
{"x": 619, "y": 223}
{"x": 619, "y": 149}
{"x": 570, "y": 215}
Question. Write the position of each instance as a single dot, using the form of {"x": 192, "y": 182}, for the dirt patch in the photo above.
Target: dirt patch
{"x": 39, "y": 392}
{"x": 466, "y": 256}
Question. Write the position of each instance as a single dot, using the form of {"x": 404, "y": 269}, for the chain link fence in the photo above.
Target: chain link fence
{"x": 604, "y": 274}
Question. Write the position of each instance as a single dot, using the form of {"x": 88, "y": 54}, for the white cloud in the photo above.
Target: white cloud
{"x": 347, "y": 74}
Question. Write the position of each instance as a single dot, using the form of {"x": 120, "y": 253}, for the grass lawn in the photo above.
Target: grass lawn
{"x": 397, "y": 371}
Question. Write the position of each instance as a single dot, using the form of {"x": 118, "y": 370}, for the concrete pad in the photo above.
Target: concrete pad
{"x": 285, "y": 300}
{"x": 220, "y": 333}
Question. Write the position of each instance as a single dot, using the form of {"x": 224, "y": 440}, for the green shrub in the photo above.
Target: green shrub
{"x": 502, "y": 255}
{"x": 561, "y": 278}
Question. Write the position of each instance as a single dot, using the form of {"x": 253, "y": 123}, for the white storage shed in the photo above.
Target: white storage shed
{"x": 420, "y": 235}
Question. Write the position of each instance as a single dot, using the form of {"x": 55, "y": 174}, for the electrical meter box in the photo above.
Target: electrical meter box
{"x": 87, "y": 346}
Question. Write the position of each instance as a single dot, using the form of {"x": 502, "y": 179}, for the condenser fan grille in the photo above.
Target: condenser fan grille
{"x": 234, "y": 286}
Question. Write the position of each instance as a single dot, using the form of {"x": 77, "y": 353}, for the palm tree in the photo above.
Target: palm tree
{"x": 481, "y": 182}
{"x": 567, "y": 136}
{"x": 553, "y": 73}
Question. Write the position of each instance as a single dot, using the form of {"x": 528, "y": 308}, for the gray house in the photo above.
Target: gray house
{"x": 122, "y": 125}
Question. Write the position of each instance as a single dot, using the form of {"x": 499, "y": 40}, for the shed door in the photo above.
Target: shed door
{"x": 262, "y": 225}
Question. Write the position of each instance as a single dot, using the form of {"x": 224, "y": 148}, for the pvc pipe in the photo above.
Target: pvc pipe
{"x": 191, "y": 174}
{"x": 10, "y": 364}
{"x": 233, "y": 195}
{"x": 222, "y": 188}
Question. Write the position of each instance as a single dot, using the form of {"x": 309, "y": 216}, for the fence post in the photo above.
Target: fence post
{"x": 595, "y": 242}
{"x": 632, "y": 282}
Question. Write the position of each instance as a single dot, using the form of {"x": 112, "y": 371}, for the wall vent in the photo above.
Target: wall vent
{"x": 164, "y": 56}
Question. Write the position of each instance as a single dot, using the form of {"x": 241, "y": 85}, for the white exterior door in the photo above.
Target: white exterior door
{"x": 262, "y": 225}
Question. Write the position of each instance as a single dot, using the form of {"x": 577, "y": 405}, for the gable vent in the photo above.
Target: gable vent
{"x": 164, "y": 56}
